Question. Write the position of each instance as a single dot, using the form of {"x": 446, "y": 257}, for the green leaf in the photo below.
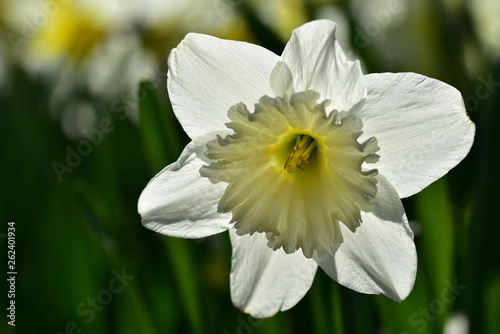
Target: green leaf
{"x": 159, "y": 129}
{"x": 434, "y": 213}
{"x": 186, "y": 276}
{"x": 409, "y": 316}
{"x": 318, "y": 306}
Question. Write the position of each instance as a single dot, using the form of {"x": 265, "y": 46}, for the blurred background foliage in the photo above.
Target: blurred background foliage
{"x": 86, "y": 123}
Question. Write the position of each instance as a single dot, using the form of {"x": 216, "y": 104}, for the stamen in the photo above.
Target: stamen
{"x": 301, "y": 151}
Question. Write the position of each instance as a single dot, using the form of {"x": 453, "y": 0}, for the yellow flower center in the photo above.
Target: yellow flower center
{"x": 294, "y": 172}
{"x": 73, "y": 32}
{"x": 301, "y": 151}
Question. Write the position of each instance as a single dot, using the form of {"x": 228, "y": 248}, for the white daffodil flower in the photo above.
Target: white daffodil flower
{"x": 304, "y": 160}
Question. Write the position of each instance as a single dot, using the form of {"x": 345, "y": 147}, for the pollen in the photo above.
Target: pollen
{"x": 294, "y": 172}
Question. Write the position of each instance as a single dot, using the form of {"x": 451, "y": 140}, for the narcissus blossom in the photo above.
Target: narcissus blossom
{"x": 303, "y": 159}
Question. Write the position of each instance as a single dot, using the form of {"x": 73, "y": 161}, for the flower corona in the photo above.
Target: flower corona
{"x": 295, "y": 206}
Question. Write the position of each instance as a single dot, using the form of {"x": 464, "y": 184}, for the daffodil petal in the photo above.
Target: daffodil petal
{"x": 178, "y": 202}
{"x": 380, "y": 257}
{"x": 317, "y": 62}
{"x": 208, "y": 75}
{"x": 264, "y": 281}
{"x": 421, "y": 126}
{"x": 282, "y": 80}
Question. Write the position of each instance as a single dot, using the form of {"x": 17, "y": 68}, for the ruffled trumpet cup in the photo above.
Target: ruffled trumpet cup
{"x": 304, "y": 160}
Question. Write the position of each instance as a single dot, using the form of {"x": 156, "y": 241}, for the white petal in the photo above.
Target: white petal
{"x": 317, "y": 62}
{"x": 282, "y": 80}
{"x": 178, "y": 202}
{"x": 264, "y": 281}
{"x": 380, "y": 257}
{"x": 421, "y": 126}
{"x": 208, "y": 75}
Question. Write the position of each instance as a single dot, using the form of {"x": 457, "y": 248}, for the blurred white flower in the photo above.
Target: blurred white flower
{"x": 101, "y": 50}
{"x": 456, "y": 323}
{"x": 311, "y": 177}
{"x": 59, "y": 33}
{"x": 281, "y": 16}
{"x": 486, "y": 16}
{"x": 163, "y": 23}
{"x": 85, "y": 50}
